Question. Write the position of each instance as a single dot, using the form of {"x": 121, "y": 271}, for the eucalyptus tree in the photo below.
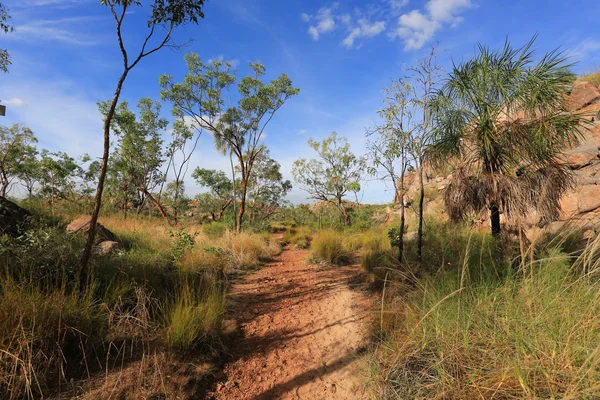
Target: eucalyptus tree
{"x": 17, "y": 150}
{"x": 218, "y": 199}
{"x": 165, "y": 16}
{"x": 266, "y": 187}
{"x": 138, "y": 158}
{"x": 501, "y": 117}
{"x": 327, "y": 177}
{"x": 58, "y": 175}
{"x": 389, "y": 146}
{"x": 425, "y": 78}
{"x": 205, "y": 97}
{"x": 6, "y": 28}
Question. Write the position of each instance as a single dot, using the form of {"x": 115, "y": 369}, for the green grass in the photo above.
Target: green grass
{"x": 194, "y": 316}
{"x": 593, "y": 78}
{"x": 328, "y": 248}
{"x": 469, "y": 332}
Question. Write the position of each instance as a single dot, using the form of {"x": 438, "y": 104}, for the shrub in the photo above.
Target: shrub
{"x": 328, "y": 248}
{"x": 215, "y": 230}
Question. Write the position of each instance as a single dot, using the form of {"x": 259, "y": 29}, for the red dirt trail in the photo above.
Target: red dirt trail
{"x": 304, "y": 329}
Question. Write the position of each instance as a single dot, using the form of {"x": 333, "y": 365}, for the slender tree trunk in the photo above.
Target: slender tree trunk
{"x": 344, "y": 212}
{"x": 421, "y": 201}
{"x": 495, "y": 219}
{"x": 87, "y": 252}
{"x": 402, "y": 220}
{"x": 223, "y": 208}
{"x": 4, "y": 186}
{"x": 240, "y": 215}
{"x": 233, "y": 189}
{"x": 156, "y": 203}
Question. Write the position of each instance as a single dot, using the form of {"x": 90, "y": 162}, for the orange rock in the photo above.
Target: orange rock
{"x": 582, "y": 95}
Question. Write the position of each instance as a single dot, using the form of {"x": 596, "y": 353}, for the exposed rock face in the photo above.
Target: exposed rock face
{"x": 82, "y": 225}
{"x": 13, "y": 219}
{"x": 583, "y": 94}
{"x": 107, "y": 248}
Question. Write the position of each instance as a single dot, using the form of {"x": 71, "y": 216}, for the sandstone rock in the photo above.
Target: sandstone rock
{"x": 582, "y": 95}
{"x": 589, "y": 198}
{"x": 107, "y": 248}
{"x": 591, "y": 112}
{"x": 13, "y": 219}
{"x": 581, "y": 200}
{"x": 583, "y": 155}
{"x": 82, "y": 226}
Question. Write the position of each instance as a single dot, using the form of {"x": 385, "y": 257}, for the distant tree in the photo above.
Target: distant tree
{"x": 58, "y": 175}
{"x": 327, "y": 177}
{"x": 266, "y": 187}
{"x": 17, "y": 150}
{"x": 138, "y": 158}
{"x": 389, "y": 148}
{"x": 219, "y": 198}
{"x": 502, "y": 118}
{"x": 237, "y": 129}
{"x": 6, "y": 27}
{"x": 176, "y": 197}
{"x": 165, "y": 16}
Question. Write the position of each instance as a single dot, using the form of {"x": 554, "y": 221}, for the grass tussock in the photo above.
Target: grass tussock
{"x": 532, "y": 332}
{"x": 299, "y": 238}
{"x": 194, "y": 316}
{"x": 328, "y": 248}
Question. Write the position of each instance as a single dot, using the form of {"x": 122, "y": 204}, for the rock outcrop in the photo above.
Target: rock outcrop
{"x": 13, "y": 219}
{"x": 82, "y": 226}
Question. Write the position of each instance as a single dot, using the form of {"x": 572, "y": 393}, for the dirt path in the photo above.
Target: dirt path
{"x": 304, "y": 330}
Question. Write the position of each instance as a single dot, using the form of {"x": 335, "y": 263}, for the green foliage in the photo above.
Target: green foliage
{"x": 215, "y": 230}
{"x": 505, "y": 161}
{"x": 237, "y": 129}
{"x": 17, "y": 150}
{"x": 6, "y": 28}
{"x": 328, "y": 248}
{"x": 181, "y": 243}
{"x": 328, "y": 177}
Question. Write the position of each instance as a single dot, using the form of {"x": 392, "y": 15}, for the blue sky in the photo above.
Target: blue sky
{"x": 341, "y": 54}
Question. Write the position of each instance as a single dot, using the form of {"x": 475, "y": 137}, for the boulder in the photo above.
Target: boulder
{"x": 82, "y": 226}
{"x": 583, "y": 94}
{"x": 13, "y": 219}
{"x": 583, "y": 155}
{"x": 107, "y": 248}
{"x": 582, "y": 200}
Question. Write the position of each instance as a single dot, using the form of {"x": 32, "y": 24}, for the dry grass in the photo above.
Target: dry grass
{"x": 328, "y": 248}
{"x": 139, "y": 301}
{"x": 531, "y": 334}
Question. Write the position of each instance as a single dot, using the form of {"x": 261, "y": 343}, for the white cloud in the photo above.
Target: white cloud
{"x": 416, "y": 27}
{"x": 322, "y": 22}
{"x": 17, "y": 102}
{"x": 302, "y": 132}
{"x": 54, "y": 30}
{"x": 364, "y": 29}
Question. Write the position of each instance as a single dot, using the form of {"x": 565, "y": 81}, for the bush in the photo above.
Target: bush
{"x": 328, "y": 248}
{"x": 215, "y": 230}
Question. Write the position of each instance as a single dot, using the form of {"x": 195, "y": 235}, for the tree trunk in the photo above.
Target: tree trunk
{"x": 402, "y": 220}
{"x": 4, "y": 188}
{"x": 161, "y": 209}
{"x": 344, "y": 212}
{"x": 240, "y": 215}
{"x": 233, "y": 188}
{"x": 223, "y": 208}
{"x": 495, "y": 218}
{"x": 87, "y": 252}
{"x": 421, "y": 201}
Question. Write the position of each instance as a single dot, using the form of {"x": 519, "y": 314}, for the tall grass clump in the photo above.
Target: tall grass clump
{"x": 247, "y": 250}
{"x": 194, "y": 316}
{"x": 328, "y": 248}
{"x": 531, "y": 333}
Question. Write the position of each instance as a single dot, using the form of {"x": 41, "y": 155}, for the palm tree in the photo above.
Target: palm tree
{"x": 501, "y": 119}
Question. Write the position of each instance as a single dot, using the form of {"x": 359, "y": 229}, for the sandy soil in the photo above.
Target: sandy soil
{"x": 303, "y": 328}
